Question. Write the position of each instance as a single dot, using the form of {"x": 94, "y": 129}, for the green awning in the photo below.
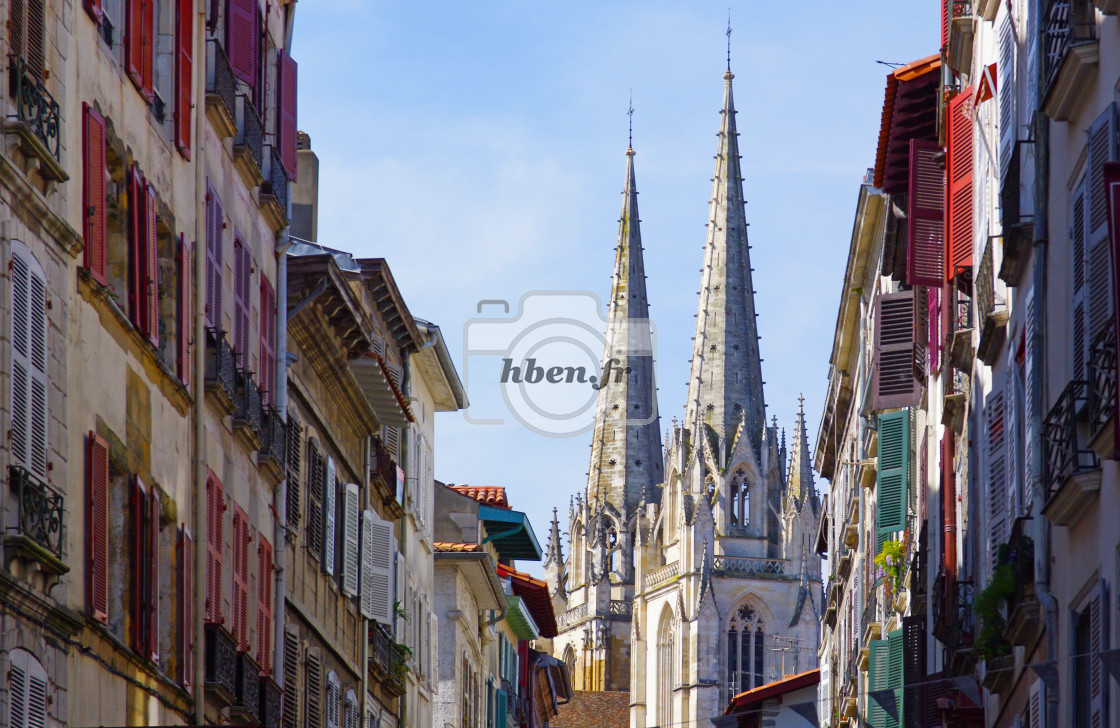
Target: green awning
{"x": 510, "y": 533}
{"x": 520, "y": 619}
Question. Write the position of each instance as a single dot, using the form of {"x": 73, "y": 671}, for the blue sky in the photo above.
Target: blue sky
{"x": 479, "y": 147}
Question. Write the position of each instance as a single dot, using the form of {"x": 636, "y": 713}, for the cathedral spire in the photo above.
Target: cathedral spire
{"x": 626, "y": 457}
{"x": 799, "y": 484}
{"x": 725, "y": 382}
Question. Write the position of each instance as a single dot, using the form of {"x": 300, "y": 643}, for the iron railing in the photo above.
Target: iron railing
{"x": 387, "y": 658}
{"x": 221, "y": 661}
{"x": 247, "y": 696}
{"x": 1063, "y": 444}
{"x": 220, "y": 81}
{"x": 962, "y": 625}
{"x": 961, "y": 318}
{"x": 274, "y": 438}
{"x": 276, "y": 179}
{"x": 1020, "y": 555}
{"x": 1064, "y": 26}
{"x": 221, "y": 374}
{"x": 746, "y": 566}
{"x": 34, "y": 104}
{"x": 271, "y": 711}
{"x": 1102, "y": 379}
{"x": 250, "y": 130}
{"x": 41, "y": 509}
{"x": 247, "y": 402}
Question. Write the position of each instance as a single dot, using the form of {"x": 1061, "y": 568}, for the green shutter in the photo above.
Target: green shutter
{"x": 895, "y": 660}
{"x": 502, "y": 710}
{"x": 877, "y": 680}
{"x": 893, "y": 474}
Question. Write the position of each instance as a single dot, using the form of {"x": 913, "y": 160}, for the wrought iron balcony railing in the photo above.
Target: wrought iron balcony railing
{"x": 220, "y": 81}
{"x": 1102, "y": 380}
{"x": 1064, "y": 445}
{"x": 271, "y": 710}
{"x": 250, "y": 130}
{"x": 962, "y": 625}
{"x": 274, "y": 438}
{"x": 34, "y": 105}
{"x": 380, "y": 647}
{"x": 962, "y": 8}
{"x": 221, "y": 374}
{"x": 276, "y": 179}
{"x": 221, "y": 662}
{"x": 247, "y": 402}
{"x": 1065, "y": 25}
{"x": 41, "y": 510}
{"x": 1020, "y": 555}
{"x": 247, "y": 697}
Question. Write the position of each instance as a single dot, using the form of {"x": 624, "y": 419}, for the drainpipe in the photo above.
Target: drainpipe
{"x": 368, "y": 468}
{"x": 280, "y": 386}
{"x": 199, "y": 363}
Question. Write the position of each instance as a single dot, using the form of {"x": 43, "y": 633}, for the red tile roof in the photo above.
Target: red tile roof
{"x": 589, "y": 709}
{"x": 788, "y": 684}
{"x": 445, "y": 547}
{"x": 535, "y": 593}
{"x": 487, "y": 495}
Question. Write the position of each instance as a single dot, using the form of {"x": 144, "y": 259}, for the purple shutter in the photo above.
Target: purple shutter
{"x": 895, "y": 385}
{"x": 925, "y": 225}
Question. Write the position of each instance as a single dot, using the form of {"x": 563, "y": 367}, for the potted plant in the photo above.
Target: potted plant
{"x": 890, "y": 560}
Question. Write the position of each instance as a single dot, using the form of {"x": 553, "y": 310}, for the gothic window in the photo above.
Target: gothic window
{"x": 740, "y": 499}
{"x": 665, "y": 668}
{"x": 570, "y": 661}
{"x": 745, "y": 650}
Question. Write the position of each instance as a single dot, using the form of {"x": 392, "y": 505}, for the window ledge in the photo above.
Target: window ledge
{"x": 1073, "y": 500}
{"x": 1071, "y": 85}
{"x": 19, "y": 134}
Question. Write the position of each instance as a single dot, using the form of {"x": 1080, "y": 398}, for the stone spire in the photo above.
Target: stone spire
{"x": 554, "y": 553}
{"x": 726, "y": 376}
{"x": 626, "y": 457}
{"x": 799, "y": 484}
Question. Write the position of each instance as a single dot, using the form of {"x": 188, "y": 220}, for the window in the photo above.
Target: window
{"x": 290, "y": 716}
{"x": 242, "y": 277}
{"x": 29, "y": 362}
{"x": 333, "y": 697}
{"x": 26, "y": 24}
{"x": 28, "y": 691}
{"x": 264, "y": 605}
{"x": 146, "y": 514}
{"x": 240, "y": 548}
{"x": 314, "y": 689}
{"x": 740, "y": 499}
{"x": 351, "y": 714}
{"x": 215, "y": 227}
{"x": 746, "y": 654}
{"x": 215, "y": 528}
{"x": 665, "y": 668}
{"x": 316, "y": 479}
{"x": 1088, "y": 639}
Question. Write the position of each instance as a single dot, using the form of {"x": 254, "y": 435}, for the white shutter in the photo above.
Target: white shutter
{"x": 333, "y": 696}
{"x": 996, "y": 416}
{"x": 27, "y": 691}
{"x": 1011, "y": 439}
{"x": 350, "y": 506}
{"x": 1036, "y": 704}
{"x": 377, "y": 588}
{"x": 1031, "y": 468}
{"x": 433, "y": 669}
{"x": 1102, "y": 148}
{"x": 1027, "y": 9}
{"x": 351, "y": 709}
{"x": 366, "y": 602}
{"x": 1006, "y": 71}
{"x": 329, "y": 493}
{"x": 1080, "y": 309}
{"x": 29, "y": 361}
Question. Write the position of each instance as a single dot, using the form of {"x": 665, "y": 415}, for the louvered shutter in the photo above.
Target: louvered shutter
{"x": 137, "y": 258}
{"x": 134, "y": 41}
{"x": 913, "y": 644}
{"x": 934, "y": 688}
{"x": 184, "y": 48}
{"x": 1013, "y": 405}
{"x": 959, "y": 226}
{"x": 215, "y": 224}
{"x": 314, "y": 691}
{"x": 332, "y": 699}
{"x": 139, "y": 547}
{"x": 1006, "y": 71}
{"x": 946, "y": 18}
{"x": 29, "y": 356}
{"x": 291, "y": 679}
{"x": 893, "y": 473}
{"x": 391, "y": 436}
{"x": 895, "y": 385}
{"x": 241, "y": 27}
{"x": 185, "y": 328}
{"x": 878, "y": 677}
{"x": 330, "y": 490}
{"x": 295, "y": 449}
{"x": 264, "y": 605}
{"x": 377, "y": 586}
{"x": 28, "y": 690}
{"x": 316, "y": 477}
{"x": 152, "y": 595}
{"x": 1031, "y": 470}
{"x": 148, "y": 42}
{"x": 351, "y": 709}
{"x": 1098, "y": 643}
{"x": 895, "y": 671}
{"x": 97, "y": 498}
{"x": 95, "y": 230}
{"x": 1102, "y": 149}
{"x": 1080, "y": 285}
{"x": 926, "y": 216}
{"x": 501, "y": 709}
{"x": 366, "y": 602}
{"x": 995, "y": 440}
{"x": 433, "y": 670}
{"x": 215, "y": 530}
{"x": 241, "y": 278}
{"x": 150, "y": 315}
{"x": 287, "y": 71}
{"x": 1036, "y": 704}
{"x": 933, "y": 318}
{"x": 240, "y": 578}
{"x": 350, "y": 535}
{"x": 268, "y": 341}
{"x": 186, "y": 607}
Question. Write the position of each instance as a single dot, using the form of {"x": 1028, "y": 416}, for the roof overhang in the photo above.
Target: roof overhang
{"x": 317, "y": 280}
{"x": 435, "y": 365}
{"x": 521, "y": 620}
{"x": 510, "y": 533}
{"x": 534, "y": 593}
{"x": 380, "y": 391}
{"x": 821, "y": 546}
{"x": 909, "y": 112}
{"x": 390, "y": 303}
{"x": 478, "y": 569}
{"x": 754, "y": 698}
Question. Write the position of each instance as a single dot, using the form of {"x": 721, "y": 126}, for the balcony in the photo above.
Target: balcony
{"x": 748, "y": 567}
{"x": 962, "y": 30}
{"x": 271, "y": 710}
{"x": 957, "y": 386}
{"x": 1072, "y": 55}
{"x": 1022, "y": 607}
{"x": 1071, "y": 471}
{"x": 37, "y": 531}
{"x": 657, "y": 577}
{"x": 220, "y": 664}
{"x": 220, "y": 372}
{"x": 274, "y": 190}
{"x": 247, "y": 410}
{"x": 248, "y": 144}
{"x": 571, "y": 616}
{"x": 991, "y": 312}
{"x": 386, "y": 659}
{"x": 1018, "y": 232}
{"x": 221, "y": 86}
{"x": 247, "y": 693}
{"x": 961, "y": 320}
{"x": 621, "y": 610}
{"x": 36, "y": 125}
{"x": 1102, "y": 393}
{"x": 386, "y": 476}
{"x": 958, "y": 629}
{"x": 273, "y": 452}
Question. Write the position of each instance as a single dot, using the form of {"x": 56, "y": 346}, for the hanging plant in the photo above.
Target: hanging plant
{"x": 891, "y": 560}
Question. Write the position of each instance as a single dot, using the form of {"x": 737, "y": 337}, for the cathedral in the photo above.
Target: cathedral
{"x": 690, "y": 573}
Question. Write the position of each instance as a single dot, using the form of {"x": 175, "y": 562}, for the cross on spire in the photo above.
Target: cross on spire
{"x": 630, "y": 114}
{"x": 728, "y": 39}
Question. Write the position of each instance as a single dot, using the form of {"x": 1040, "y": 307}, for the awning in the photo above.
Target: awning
{"x": 384, "y": 397}
{"x": 510, "y": 533}
{"x": 534, "y": 592}
{"x": 909, "y": 112}
{"x": 521, "y": 619}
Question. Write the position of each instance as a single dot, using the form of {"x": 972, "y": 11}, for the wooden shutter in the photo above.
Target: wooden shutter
{"x": 148, "y": 40}
{"x": 959, "y": 227}
{"x": 1077, "y": 265}
{"x": 97, "y": 498}
{"x": 1101, "y": 150}
{"x": 140, "y": 547}
{"x": 878, "y": 678}
{"x": 1008, "y": 133}
{"x": 501, "y": 709}
{"x": 895, "y": 385}
{"x": 241, "y": 278}
{"x": 287, "y": 72}
{"x": 351, "y": 709}
{"x": 264, "y": 606}
{"x": 152, "y": 595}
{"x": 184, "y": 48}
{"x": 377, "y": 586}
{"x": 295, "y": 448}
{"x": 996, "y": 455}
{"x": 186, "y": 607}
{"x": 1013, "y": 406}
{"x": 215, "y": 531}
{"x": 268, "y": 342}
{"x": 350, "y": 532}
{"x": 433, "y": 631}
{"x": 29, "y": 357}
{"x": 185, "y": 329}
{"x": 150, "y": 314}
{"x": 330, "y": 491}
{"x": 137, "y": 264}
{"x": 240, "y": 546}
{"x": 913, "y": 644}
{"x": 134, "y": 41}
{"x": 893, "y": 473}
{"x": 241, "y": 29}
{"x": 925, "y": 220}
{"x": 933, "y": 318}
{"x": 1098, "y": 607}
{"x": 1030, "y": 467}
{"x": 290, "y": 718}
{"x": 314, "y": 691}
{"x": 215, "y": 224}
{"x": 316, "y": 484}
{"x": 332, "y": 698}
{"x": 95, "y": 230}
{"x": 28, "y": 691}
{"x": 366, "y": 601}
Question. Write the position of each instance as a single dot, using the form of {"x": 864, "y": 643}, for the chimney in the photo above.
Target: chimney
{"x": 305, "y": 192}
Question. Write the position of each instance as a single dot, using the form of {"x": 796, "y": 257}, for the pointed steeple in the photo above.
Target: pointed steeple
{"x": 725, "y": 381}
{"x": 626, "y": 456}
{"x": 799, "y": 484}
{"x": 554, "y": 553}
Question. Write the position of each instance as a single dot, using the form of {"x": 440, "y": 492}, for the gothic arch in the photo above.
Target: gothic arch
{"x": 665, "y": 666}
{"x": 746, "y": 639}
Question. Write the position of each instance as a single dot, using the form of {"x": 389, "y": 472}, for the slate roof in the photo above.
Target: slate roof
{"x": 589, "y": 709}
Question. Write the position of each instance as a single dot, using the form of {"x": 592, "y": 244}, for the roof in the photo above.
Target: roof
{"x": 753, "y": 698}
{"x": 477, "y": 567}
{"x": 510, "y": 533}
{"x": 909, "y": 112}
{"x": 487, "y": 495}
{"x": 589, "y": 709}
{"x": 379, "y": 279}
{"x": 535, "y": 594}
{"x": 455, "y": 547}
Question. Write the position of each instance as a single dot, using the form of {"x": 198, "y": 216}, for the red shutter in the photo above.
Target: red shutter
{"x": 264, "y": 606}
{"x": 241, "y": 278}
{"x": 240, "y": 578}
{"x": 148, "y": 16}
{"x": 186, "y": 607}
{"x": 934, "y": 314}
{"x": 925, "y": 264}
{"x": 215, "y": 510}
{"x": 140, "y": 546}
{"x": 97, "y": 480}
{"x": 185, "y": 329}
{"x": 215, "y": 224}
{"x": 184, "y": 40}
{"x": 268, "y": 341}
{"x": 93, "y": 193}
{"x": 288, "y": 73}
{"x": 241, "y": 26}
{"x": 93, "y": 7}
{"x": 155, "y": 514}
{"x": 945, "y": 20}
{"x": 151, "y": 269}
{"x": 136, "y": 257}
{"x": 134, "y": 40}
{"x": 959, "y": 200}
{"x": 895, "y": 385}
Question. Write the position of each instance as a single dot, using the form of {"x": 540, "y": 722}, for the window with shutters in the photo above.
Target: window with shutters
{"x": 185, "y": 644}
{"x": 351, "y": 507}
{"x": 1089, "y": 677}
{"x": 264, "y": 605}
{"x": 145, "y": 516}
{"x": 885, "y": 700}
{"x": 26, "y": 34}
{"x": 215, "y": 243}
{"x": 896, "y": 351}
{"x": 29, "y": 691}
{"x": 316, "y": 477}
{"x": 332, "y": 700}
{"x": 330, "y": 517}
{"x": 294, "y": 465}
{"x": 239, "y": 547}
{"x": 268, "y": 342}
{"x": 959, "y": 203}
{"x": 378, "y": 547}
{"x": 313, "y": 690}
{"x": 242, "y": 283}
{"x": 293, "y": 665}
{"x": 30, "y": 353}
{"x": 215, "y": 543}
{"x": 350, "y": 714}
{"x": 1098, "y": 297}
{"x": 925, "y": 216}
{"x": 995, "y": 416}
{"x": 139, "y": 45}
{"x": 97, "y": 526}
{"x": 184, "y": 68}
{"x": 893, "y": 472}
